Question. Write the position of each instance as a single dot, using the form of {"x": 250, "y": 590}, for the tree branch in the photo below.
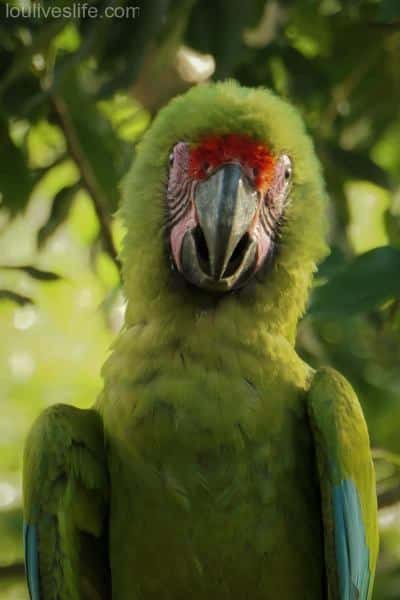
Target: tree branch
{"x": 12, "y": 571}
{"x": 389, "y": 497}
{"x": 89, "y": 179}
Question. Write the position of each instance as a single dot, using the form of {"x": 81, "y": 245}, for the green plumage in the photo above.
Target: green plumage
{"x": 216, "y": 460}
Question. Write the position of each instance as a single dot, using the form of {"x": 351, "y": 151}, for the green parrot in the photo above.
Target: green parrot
{"x": 215, "y": 463}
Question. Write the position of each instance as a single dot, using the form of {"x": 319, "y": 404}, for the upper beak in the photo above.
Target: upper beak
{"x": 219, "y": 253}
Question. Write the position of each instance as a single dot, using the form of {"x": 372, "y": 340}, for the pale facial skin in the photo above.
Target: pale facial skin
{"x": 225, "y": 200}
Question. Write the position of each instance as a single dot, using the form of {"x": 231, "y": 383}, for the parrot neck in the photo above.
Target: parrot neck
{"x": 200, "y": 360}
{"x": 189, "y": 315}
{"x": 209, "y": 327}
{"x": 167, "y": 318}
{"x": 177, "y": 344}
{"x": 213, "y": 364}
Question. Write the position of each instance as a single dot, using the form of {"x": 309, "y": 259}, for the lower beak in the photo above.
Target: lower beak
{"x": 219, "y": 252}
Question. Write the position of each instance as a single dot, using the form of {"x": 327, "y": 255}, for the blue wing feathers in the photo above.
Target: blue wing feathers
{"x": 32, "y": 560}
{"x": 352, "y": 552}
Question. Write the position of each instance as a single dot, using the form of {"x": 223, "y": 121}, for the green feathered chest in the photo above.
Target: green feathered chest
{"x": 213, "y": 486}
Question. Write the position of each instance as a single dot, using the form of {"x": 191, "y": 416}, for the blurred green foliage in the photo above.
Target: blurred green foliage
{"x": 76, "y": 94}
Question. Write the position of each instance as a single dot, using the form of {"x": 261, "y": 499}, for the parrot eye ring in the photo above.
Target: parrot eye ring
{"x": 287, "y": 163}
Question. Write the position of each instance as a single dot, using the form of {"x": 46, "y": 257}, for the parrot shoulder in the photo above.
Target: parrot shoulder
{"x": 347, "y": 484}
{"x": 65, "y": 499}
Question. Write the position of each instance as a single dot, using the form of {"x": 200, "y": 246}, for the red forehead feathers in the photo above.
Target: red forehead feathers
{"x": 215, "y": 150}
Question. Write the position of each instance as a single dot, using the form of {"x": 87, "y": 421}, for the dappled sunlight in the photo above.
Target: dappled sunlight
{"x": 76, "y": 97}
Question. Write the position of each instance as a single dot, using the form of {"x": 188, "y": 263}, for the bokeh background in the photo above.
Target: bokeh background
{"x": 77, "y": 93}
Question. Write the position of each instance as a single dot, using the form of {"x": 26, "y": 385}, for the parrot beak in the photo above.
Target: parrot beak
{"x": 219, "y": 254}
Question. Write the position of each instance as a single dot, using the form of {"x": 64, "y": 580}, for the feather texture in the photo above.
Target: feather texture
{"x": 347, "y": 481}
{"x": 32, "y": 560}
{"x": 65, "y": 489}
{"x": 352, "y": 553}
{"x": 205, "y": 432}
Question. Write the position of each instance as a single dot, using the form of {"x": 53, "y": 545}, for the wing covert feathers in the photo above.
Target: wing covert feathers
{"x": 347, "y": 483}
{"x": 65, "y": 502}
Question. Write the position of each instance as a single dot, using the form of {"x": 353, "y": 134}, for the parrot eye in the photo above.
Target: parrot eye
{"x": 287, "y": 167}
{"x": 171, "y": 159}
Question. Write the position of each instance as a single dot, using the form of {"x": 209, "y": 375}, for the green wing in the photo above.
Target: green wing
{"x": 347, "y": 482}
{"x": 65, "y": 501}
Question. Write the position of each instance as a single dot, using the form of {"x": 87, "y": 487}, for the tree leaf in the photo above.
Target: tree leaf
{"x": 357, "y": 165}
{"x": 210, "y": 18}
{"x": 121, "y": 47}
{"x": 389, "y": 11}
{"x": 93, "y": 143}
{"x": 59, "y": 212}
{"x": 332, "y": 264}
{"x": 19, "y": 299}
{"x": 364, "y": 284}
{"x": 33, "y": 272}
{"x": 16, "y": 181}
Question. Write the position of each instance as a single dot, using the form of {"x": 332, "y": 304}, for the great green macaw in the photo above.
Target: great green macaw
{"x": 215, "y": 464}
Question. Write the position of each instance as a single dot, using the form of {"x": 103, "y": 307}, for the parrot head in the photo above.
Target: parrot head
{"x": 224, "y": 206}
{"x": 226, "y": 197}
